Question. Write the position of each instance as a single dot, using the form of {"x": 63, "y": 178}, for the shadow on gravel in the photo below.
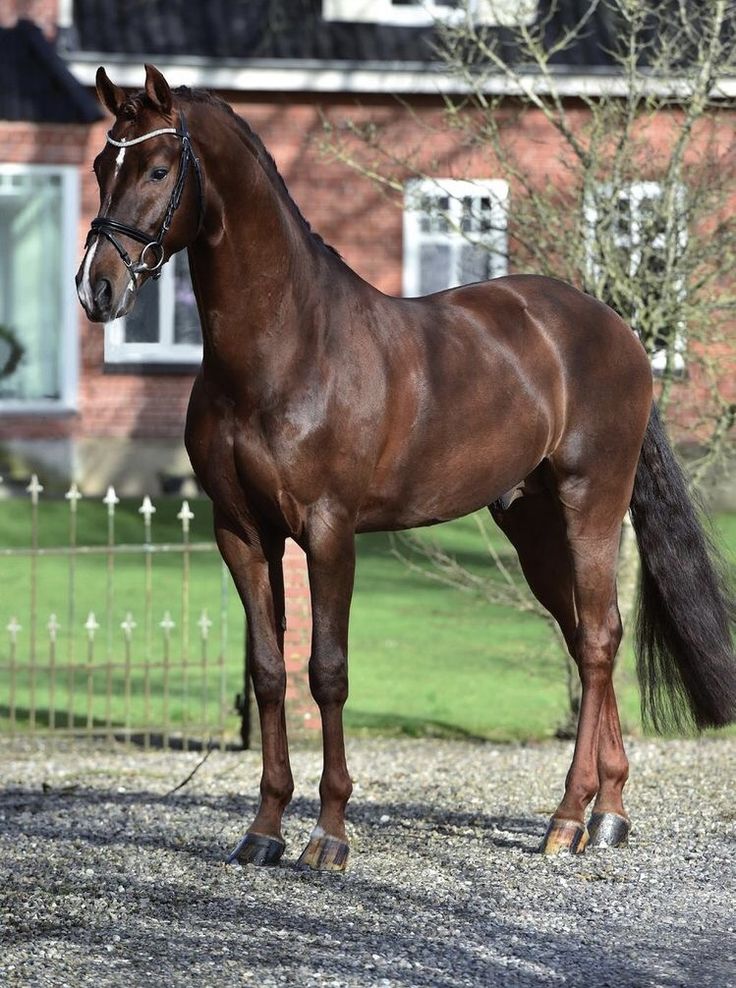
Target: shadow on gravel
{"x": 397, "y": 819}
{"x": 312, "y": 929}
{"x": 471, "y": 908}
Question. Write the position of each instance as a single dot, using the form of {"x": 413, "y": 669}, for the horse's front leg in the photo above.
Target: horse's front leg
{"x": 331, "y": 564}
{"x": 254, "y": 559}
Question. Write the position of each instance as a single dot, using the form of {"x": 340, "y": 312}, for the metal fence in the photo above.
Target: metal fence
{"x": 119, "y": 640}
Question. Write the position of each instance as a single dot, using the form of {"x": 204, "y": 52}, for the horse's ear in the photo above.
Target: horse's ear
{"x": 157, "y": 89}
{"x": 108, "y": 93}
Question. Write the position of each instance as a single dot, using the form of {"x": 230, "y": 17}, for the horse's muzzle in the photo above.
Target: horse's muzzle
{"x": 96, "y": 299}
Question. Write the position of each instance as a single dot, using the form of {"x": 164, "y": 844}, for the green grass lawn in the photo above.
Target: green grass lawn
{"x": 423, "y": 658}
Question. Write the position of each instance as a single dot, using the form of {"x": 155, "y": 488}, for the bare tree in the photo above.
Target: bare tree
{"x": 643, "y": 217}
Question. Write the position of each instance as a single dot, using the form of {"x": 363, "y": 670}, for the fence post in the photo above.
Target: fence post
{"x": 243, "y": 701}
{"x": 301, "y": 711}
{"x": 34, "y": 489}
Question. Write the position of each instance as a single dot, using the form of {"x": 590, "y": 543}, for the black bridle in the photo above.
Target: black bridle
{"x": 108, "y": 227}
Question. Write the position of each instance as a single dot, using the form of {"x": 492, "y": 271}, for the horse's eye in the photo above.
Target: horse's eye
{"x": 159, "y": 173}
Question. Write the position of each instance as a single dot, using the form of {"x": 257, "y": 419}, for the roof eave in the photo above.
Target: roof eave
{"x": 421, "y": 78}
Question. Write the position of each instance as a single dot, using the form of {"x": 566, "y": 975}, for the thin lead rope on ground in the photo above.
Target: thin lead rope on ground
{"x": 194, "y": 771}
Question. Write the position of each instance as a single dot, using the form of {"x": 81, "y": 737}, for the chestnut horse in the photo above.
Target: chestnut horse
{"x": 325, "y": 408}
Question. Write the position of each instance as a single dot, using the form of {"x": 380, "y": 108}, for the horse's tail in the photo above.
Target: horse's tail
{"x": 685, "y": 660}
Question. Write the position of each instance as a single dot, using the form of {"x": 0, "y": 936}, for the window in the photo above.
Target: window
{"x": 454, "y": 233}
{"x": 39, "y": 208}
{"x": 423, "y": 13}
{"x": 634, "y": 233}
{"x": 163, "y": 327}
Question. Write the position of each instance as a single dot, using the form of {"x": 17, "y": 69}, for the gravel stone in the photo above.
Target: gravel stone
{"x": 106, "y": 880}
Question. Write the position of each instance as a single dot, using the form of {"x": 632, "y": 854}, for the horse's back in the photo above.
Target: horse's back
{"x": 575, "y": 354}
{"x": 489, "y": 379}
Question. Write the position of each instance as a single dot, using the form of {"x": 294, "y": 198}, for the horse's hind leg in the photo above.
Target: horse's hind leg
{"x": 254, "y": 560}
{"x": 535, "y": 524}
{"x": 593, "y": 507}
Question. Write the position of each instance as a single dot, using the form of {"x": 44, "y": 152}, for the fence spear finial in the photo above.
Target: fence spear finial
{"x": 167, "y": 624}
{"x": 91, "y": 625}
{"x": 34, "y": 488}
{"x": 13, "y": 627}
{"x": 111, "y": 499}
{"x": 127, "y": 625}
{"x": 73, "y": 495}
{"x": 185, "y": 516}
{"x": 53, "y": 627}
{"x": 204, "y": 624}
{"x": 147, "y": 509}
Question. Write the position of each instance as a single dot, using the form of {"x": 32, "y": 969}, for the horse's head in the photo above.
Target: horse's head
{"x": 150, "y": 196}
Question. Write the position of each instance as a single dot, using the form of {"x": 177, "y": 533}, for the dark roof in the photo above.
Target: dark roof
{"x": 287, "y": 29}
{"x": 35, "y": 84}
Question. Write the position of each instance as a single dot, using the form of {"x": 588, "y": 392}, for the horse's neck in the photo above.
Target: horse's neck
{"x": 255, "y": 264}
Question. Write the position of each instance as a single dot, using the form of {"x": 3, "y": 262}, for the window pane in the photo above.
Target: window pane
{"x": 142, "y": 325}
{"x": 434, "y": 268}
{"x": 435, "y": 211}
{"x": 623, "y": 219}
{"x": 474, "y": 264}
{"x": 186, "y": 317}
{"x": 30, "y": 285}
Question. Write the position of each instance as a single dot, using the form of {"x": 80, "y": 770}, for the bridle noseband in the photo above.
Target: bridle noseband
{"x": 108, "y": 227}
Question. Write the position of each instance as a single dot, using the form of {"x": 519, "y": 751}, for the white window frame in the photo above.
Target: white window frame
{"x": 637, "y": 192}
{"x": 424, "y": 13}
{"x": 68, "y": 369}
{"x": 165, "y": 350}
{"x": 456, "y": 189}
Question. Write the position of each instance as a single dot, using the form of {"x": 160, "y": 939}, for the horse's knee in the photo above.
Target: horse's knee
{"x": 328, "y": 679}
{"x": 269, "y": 680}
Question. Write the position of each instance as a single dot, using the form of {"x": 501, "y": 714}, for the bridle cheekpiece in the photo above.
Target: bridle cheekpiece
{"x": 108, "y": 227}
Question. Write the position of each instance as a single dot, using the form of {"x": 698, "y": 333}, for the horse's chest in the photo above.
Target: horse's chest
{"x": 237, "y": 466}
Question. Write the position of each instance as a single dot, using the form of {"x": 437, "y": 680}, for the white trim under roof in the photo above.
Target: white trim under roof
{"x": 425, "y": 13}
{"x": 422, "y": 78}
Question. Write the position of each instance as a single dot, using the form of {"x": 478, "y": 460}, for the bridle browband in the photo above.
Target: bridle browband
{"x": 108, "y": 227}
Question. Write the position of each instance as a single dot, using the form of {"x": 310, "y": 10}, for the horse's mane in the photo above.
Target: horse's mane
{"x": 135, "y": 103}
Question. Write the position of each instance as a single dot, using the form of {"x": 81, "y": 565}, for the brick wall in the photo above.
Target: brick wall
{"x": 42, "y": 12}
{"x": 301, "y": 711}
{"x": 349, "y": 212}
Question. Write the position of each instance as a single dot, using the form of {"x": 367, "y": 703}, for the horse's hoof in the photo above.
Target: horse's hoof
{"x": 257, "y": 849}
{"x": 564, "y": 837}
{"x": 608, "y": 830}
{"x": 324, "y": 853}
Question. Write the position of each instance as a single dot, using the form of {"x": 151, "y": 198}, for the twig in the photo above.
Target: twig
{"x": 191, "y": 775}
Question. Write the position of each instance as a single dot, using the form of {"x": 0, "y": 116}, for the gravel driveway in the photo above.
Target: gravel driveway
{"x": 106, "y": 880}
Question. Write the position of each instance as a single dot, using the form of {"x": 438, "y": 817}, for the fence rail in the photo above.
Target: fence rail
{"x": 97, "y": 644}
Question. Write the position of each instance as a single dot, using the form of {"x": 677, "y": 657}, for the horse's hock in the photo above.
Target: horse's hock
{"x": 301, "y": 711}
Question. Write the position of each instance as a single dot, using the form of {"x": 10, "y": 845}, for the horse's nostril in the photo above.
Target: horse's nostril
{"x": 103, "y": 294}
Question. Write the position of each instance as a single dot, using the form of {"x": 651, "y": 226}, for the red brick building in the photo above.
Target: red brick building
{"x": 107, "y": 405}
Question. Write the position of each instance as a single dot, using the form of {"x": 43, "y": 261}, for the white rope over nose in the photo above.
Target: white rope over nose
{"x": 144, "y": 137}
